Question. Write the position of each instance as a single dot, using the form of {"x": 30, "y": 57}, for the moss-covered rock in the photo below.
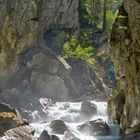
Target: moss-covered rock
{"x": 124, "y": 107}
{"x": 9, "y": 118}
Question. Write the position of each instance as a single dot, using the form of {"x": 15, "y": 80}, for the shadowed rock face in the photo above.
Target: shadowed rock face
{"x": 125, "y": 51}
{"x": 23, "y": 23}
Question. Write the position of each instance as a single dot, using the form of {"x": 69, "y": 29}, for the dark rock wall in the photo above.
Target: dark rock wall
{"x": 124, "y": 107}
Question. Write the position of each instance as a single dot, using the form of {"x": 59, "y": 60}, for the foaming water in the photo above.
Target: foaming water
{"x": 69, "y": 112}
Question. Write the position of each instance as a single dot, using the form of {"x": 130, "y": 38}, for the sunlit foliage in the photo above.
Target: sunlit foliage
{"x": 77, "y": 46}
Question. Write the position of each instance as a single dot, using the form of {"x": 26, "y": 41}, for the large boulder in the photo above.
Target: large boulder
{"x": 54, "y": 137}
{"x": 9, "y": 118}
{"x": 46, "y": 61}
{"x": 24, "y": 132}
{"x": 51, "y": 86}
{"x": 132, "y": 136}
{"x": 42, "y": 63}
{"x": 58, "y": 126}
{"x": 46, "y": 136}
{"x": 95, "y": 128}
{"x": 88, "y": 109}
{"x": 70, "y": 136}
{"x": 86, "y": 77}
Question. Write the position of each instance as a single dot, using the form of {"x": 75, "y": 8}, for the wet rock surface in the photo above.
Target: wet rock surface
{"x": 88, "y": 109}
{"x": 46, "y": 136}
{"x": 70, "y": 136}
{"x": 69, "y": 129}
{"x": 58, "y": 126}
{"x": 131, "y": 136}
{"x": 95, "y": 128}
{"x": 54, "y": 137}
{"x": 24, "y": 132}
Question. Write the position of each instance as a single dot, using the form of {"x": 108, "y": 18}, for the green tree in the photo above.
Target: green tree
{"x": 98, "y": 13}
{"x": 77, "y": 46}
{"x": 90, "y": 12}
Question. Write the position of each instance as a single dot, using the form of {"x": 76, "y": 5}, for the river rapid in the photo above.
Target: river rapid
{"x": 69, "y": 112}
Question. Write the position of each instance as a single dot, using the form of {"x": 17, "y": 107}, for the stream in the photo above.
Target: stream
{"x": 69, "y": 112}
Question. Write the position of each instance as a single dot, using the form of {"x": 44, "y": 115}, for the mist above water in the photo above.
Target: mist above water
{"x": 69, "y": 112}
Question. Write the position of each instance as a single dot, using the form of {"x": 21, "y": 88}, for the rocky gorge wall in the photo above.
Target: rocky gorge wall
{"x": 22, "y": 25}
{"x": 124, "y": 107}
{"x": 29, "y": 69}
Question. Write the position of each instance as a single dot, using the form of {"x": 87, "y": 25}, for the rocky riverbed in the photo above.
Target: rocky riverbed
{"x": 64, "y": 120}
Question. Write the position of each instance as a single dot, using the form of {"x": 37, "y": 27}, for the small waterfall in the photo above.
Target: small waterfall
{"x": 69, "y": 112}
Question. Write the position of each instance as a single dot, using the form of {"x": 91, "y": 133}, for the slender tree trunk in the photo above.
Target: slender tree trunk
{"x": 93, "y": 10}
{"x": 104, "y": 15}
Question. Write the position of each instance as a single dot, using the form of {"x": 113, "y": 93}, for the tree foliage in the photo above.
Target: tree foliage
{"x": 90, "y": 12}
{"x": 78, "y": 46}
{"x": 98, "y": 13}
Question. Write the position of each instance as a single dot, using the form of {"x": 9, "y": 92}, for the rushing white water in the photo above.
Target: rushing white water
{"x": 70, "y": 113}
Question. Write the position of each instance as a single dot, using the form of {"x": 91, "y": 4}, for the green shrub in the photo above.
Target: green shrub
{"x": 78, "y": 46}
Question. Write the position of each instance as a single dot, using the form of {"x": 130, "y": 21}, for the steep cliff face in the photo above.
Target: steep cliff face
{"x": 29, "y": 69}
{"x": 22, "y": 25}
{"x": 125, "y": 51}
